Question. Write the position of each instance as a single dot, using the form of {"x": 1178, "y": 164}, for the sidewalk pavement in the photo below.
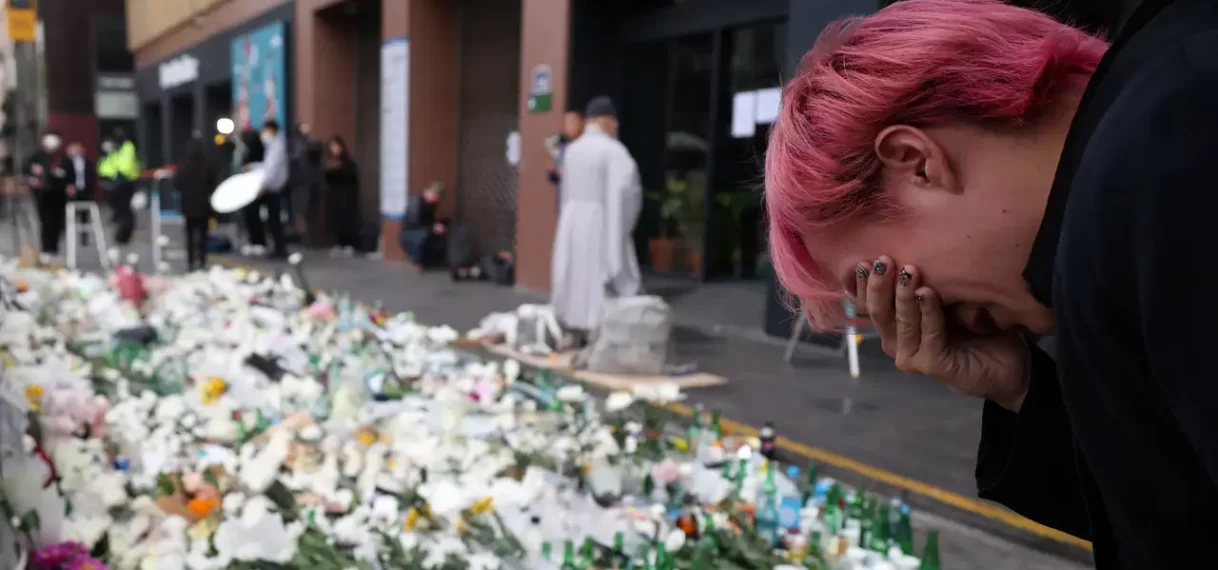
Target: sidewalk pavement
{"x": 888, "y": 431}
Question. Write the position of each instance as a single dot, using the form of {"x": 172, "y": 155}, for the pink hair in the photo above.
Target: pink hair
{"x": 917, "y": 62}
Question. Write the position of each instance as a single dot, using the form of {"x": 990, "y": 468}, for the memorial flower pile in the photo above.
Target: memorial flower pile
{"x": 229, "y": 420}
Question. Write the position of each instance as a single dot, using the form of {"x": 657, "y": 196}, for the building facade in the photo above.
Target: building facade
{"x": 86, "y": 69}
{"x": 464, "y": 92}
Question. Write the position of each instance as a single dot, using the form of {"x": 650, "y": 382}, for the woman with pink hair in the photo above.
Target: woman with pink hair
{"x": 978, "y": 176}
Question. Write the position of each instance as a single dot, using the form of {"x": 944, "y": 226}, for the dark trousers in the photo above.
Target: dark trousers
{"x": 196, "y": 242}
{"x": 274, "y": 222}
{"x": 414, "y": 243}
{"x": 124, "y": 217}
{"x": 82, "y": 222}
{"x": 51, "y": 219}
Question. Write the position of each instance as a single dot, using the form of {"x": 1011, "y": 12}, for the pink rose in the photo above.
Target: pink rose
{"x": 192, "y": 482}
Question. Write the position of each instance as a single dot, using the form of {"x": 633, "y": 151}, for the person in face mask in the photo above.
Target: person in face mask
{"x": 51, "y": 181}
{"x": 119, "y": 168}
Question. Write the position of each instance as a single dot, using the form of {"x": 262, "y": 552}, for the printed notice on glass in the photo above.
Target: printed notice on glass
{"x": 395, "y": 127}
{"x": 768, "y": 101}
{"x": 744, "y": 114}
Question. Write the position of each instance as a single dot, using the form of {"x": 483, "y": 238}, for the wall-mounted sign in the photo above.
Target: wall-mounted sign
{"x": 115, "y": 82}
{"x": 22, "y": 20}
{"x": 395, "y": 127}
{"x": 258, "y": 77}
{"x": 116, "y": 105}
{"x": 541, "y": 90}
{"x": 178, "y": 71}
{"x": 513, "y": 149}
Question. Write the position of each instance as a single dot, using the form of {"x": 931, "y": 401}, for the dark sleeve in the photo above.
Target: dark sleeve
{"x": 1026, "y": 460}
{"x": 1174, "y": 259}
{"x": 414, "y": 213}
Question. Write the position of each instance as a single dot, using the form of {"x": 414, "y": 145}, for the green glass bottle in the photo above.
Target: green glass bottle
{"x": 587, "y": 553}
{"x": 546, "y": 549}
{"x": 866, "y": 520}
{"x": 649, "y": 486}
{"x": 815, "y": 558}
{"x": 930, "y": 554}
{"x": 813, "y": 478}
{"x": 710, "y": 534}
{"x": 904, "y": 533}
{"x": 767, "y": 518}
{"x": 695, "y": 428}
{"x": 716, "y": 427}
{"x": 879, "y": 531}
{"x": 568, "y": 556}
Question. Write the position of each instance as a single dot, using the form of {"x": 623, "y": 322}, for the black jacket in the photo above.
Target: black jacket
{"x": 1117, "y": 441}
{"x": 55, "y": 176}
{"x": 419, "y": 214}
{"x": 89, "y": 189}
{"x": 196, "y": 183}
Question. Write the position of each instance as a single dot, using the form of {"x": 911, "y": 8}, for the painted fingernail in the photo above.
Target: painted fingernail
{"x": 861, "y": 271}
{"x": 903, "y": 276}
{"x": 879, "y": 267}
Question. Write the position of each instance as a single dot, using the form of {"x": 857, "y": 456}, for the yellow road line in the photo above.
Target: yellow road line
{"x": 975, "y": 506}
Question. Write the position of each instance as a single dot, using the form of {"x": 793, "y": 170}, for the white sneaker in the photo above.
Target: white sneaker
{"x": 258, "y": 250}
{"x": 45, "y": 258}
{"x": 348, "y": 251}
{"x": 336, "y": 251}
{"x": 247, "y": 250}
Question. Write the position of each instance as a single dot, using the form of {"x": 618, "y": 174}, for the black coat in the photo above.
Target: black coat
{"x": 88, "y": 190}
{"x": 342, "y": 196}
{"x": 195, "y": 182}
{"x": 55, "y": 174}
{"x": 1117, "y": 438}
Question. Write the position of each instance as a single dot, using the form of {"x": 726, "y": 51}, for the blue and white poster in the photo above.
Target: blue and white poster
{"x": 258, "y": 74}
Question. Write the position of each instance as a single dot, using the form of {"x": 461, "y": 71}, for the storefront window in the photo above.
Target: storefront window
{"x": 702, "y": 178}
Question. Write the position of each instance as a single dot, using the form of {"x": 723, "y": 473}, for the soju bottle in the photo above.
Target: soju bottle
{"x": 710, "y": 536}
{"x": 715, "y": 426}
{"x": 903, "y": 535}
{"x": 649, "y": 486}
{"x": 767, "y": 511}
{"x": 879, "y": 531}
{"x": 587, "y": 553}
{"x": 815, "y": 558}
{"x": 568, "y": 556}
{"x": 810, "y": 487}
{"x": 618, "y": 556}
{"x": 546, "y": 549}
{"x": 866, "y": 520}
{"x": 930, "y": 554}
{"x": 695, "y": 429}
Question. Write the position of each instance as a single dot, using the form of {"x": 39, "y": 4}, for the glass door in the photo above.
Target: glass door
{"x": 747, "y": 90}
{"x": 666, "y": 126}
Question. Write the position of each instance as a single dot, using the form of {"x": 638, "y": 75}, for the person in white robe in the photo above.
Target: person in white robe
{"x": 594, "y": 258}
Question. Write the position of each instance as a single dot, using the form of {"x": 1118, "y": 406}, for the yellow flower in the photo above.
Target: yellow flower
{"x": 482, "y": 505}
{"x": 366, "y": 437}
{"x": 462, "y": 526}
{"x": 33, "y": 394}
{"x": 412, "y": 519}
{"x": 213, "y": 388}
{"x": 7, "y": 359}
{"x": 680, "y": 444}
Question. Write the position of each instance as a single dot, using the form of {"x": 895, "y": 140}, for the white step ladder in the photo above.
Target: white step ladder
{"x": 94, "y": 226}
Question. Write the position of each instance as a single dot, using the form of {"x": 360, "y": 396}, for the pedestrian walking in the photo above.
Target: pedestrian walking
{"x": 50, "y": 177}
{"x": 306, "y": 175}
{"x": 594, "y": 256}
{"x": 196, "y": 180}
{"x": 969, "y": 170}
{"x": 342, "y": 197}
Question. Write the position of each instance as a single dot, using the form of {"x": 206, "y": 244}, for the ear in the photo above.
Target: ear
{"x": 910, "y": 155}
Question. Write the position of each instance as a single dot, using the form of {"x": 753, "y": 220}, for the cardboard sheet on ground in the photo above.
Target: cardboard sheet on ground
{"x": 562, "y": 362}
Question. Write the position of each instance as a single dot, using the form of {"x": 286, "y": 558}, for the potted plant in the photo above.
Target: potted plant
{"x": 673, "y": 201}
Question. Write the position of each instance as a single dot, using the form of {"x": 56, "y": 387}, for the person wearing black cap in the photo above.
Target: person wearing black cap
{"x": 594, "y": 255}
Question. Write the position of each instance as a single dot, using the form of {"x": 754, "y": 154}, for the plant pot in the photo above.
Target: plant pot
{"x": 660, "y": 252}
{"x": 693, "y": 261}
